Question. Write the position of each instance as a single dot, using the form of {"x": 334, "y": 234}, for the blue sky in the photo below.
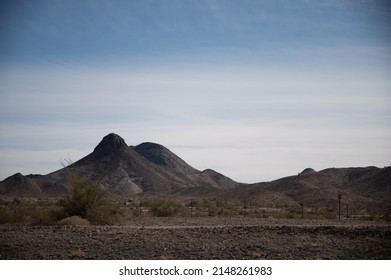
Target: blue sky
{"x": 256, "y": 90}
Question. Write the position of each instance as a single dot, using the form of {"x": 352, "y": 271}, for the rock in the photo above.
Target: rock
{"x": 110, "y": 143}
{"x": 307, "y": 171}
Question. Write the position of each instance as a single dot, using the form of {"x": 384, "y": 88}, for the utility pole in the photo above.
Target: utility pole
{"x": 339, "y": 206}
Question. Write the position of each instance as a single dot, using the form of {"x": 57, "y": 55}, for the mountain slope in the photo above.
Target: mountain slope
{"x": 162, "y": 156}
{"x": 123, "y": 171}
{"x": 362, "y": 188}
{"x": 150, "y": 169}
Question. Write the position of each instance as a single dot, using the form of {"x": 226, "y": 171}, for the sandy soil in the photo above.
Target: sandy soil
{"x": 200, "y": 238}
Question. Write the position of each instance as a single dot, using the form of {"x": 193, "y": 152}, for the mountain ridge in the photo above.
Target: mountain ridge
{"x": 122, "y": 170}
{"x": 150, "y": 169}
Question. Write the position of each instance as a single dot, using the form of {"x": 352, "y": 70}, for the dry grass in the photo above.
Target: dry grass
{"x": 30, "y": 212}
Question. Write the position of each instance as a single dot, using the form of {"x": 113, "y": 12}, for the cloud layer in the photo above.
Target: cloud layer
{"x": 254, "y": 89}
{"x": 252, "y": 126}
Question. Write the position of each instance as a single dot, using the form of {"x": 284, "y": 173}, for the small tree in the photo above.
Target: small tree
{"x": 167, "y": 208}
{"x": 89, "y": 201}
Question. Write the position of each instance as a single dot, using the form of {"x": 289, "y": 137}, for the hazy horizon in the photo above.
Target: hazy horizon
{"x": 256, "y": 90}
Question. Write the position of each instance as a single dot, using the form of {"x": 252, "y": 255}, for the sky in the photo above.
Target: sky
{"x": 254, "y": 89}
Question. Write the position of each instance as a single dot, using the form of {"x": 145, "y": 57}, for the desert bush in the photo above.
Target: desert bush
{"x": 197, "y": 204}
{"x": 89, "y": 201}
{"x": 212, "y": 211}
{"x": 387, "y": 218}
{"x": 167, "y": 208}
{"x": 137, "y": 211}
{"x": 27, "y": 212}
{"x": 5, "y": 214}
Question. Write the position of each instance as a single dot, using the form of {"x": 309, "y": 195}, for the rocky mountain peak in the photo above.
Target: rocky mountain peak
{"x": 110, "y": 143}
{"x": 163, "y": 157}
{"x": 156, "y": 153}
{"x": 307, "y": 171}
{"x": 16, "y": 178}
{"x": 149, "y": 146}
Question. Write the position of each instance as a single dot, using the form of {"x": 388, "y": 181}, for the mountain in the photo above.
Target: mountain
{"x": 124, "y": 171}
{"x": 162, "y": 156}
{"x": 363, "y": 188}
{"x": 150, "y": 169}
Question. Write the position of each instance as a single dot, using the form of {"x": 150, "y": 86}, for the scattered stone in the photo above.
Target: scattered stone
{"x": 207, "y": 238}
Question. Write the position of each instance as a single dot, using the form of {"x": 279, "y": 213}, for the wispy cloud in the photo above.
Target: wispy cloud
{"x": 217, "y": 93}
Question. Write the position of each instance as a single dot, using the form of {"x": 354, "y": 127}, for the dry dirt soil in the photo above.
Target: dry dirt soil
{"x": 200, "y": 238}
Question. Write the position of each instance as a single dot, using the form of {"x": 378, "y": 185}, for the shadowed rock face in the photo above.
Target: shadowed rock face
{"x": 110, "y": 143}
{"x": 153, "y": 152}
{"x": 307, "y": 171}
{"x": 163, "y": 157}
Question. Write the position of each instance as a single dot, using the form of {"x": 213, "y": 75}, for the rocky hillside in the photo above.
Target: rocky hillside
{"x": 123, "y": 171}
{"x": 364, "y": 188}
{"x": 151, "y": 169}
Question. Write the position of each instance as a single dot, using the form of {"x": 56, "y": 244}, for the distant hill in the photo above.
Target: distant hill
{"x": 151, "y": 169}
{"x": 364, "y": 188}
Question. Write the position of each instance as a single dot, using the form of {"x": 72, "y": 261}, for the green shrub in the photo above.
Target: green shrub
{"x": 167, "y": 208}
{"x": 27, "y": 212}
{"x": 197, "y": 204}
{"x": 212, "y": 211}
{"x": 88, "y": 200}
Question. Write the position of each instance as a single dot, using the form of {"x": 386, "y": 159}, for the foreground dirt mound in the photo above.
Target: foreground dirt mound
{"x": 74, "y": 221}
{"x": 207, "y": 238}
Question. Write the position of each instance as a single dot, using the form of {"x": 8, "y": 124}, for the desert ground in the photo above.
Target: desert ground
{"x": 200, "y": 238}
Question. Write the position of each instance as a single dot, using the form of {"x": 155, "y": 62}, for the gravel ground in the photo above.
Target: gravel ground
{"x": 200, "y": 238}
